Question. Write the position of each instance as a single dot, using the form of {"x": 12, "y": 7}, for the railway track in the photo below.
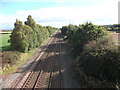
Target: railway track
{"x": 47, "y": 71}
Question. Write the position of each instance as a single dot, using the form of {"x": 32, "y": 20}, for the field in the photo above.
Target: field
{"x": 4, "y": 43}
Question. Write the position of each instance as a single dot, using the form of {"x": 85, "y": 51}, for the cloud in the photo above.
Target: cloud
{"x": 74, "y": 13}
{"x": 106, "y": 13}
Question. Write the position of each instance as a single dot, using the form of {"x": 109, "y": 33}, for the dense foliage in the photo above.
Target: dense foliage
{"x": 29, "y": 36}
{"x": 100, "y": 59}
{"x": 77, "y": 36}
{"x": 97, "y": 60}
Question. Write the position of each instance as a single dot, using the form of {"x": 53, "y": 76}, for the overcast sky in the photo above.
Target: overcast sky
{"x": 58, "y": 12}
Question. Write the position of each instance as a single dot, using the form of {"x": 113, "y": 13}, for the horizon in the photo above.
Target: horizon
{"x": 55, "y": 27}
{"x": 58, "y": 13}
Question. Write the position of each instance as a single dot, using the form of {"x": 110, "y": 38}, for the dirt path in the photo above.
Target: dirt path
{"x": 69, "y": 77}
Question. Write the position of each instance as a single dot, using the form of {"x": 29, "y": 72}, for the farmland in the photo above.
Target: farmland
{"x": 4, "y": 44}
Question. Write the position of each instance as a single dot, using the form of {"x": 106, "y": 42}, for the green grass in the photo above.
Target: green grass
{"x": 4, "y": 43}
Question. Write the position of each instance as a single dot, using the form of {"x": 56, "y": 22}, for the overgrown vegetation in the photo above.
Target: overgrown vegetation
{"x": 97, "y": 62}
{"x": 8, "y": 68}
{"x": 9, "y": 58}
{"x": 100, "y": 59}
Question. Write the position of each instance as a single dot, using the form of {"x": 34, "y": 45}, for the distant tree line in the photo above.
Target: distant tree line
{"x": 97, "y": 58}
{"x": 6, "y": 30}
{"x": 29, "y": 35}
{"x": 114, "y": 27}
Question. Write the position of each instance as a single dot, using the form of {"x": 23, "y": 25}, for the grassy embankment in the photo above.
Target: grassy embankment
{"x": 5, "y": 46}
{"x": 24, "y": 57}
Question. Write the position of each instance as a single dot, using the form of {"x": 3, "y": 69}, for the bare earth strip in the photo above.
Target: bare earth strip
{"x": 69, "y": 77}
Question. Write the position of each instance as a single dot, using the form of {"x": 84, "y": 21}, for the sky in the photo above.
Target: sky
{"x": 58, "y": 13}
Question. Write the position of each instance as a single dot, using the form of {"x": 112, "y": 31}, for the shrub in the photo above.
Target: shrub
{"x": 100, "y": 59}
{"x": 10, "y": 58}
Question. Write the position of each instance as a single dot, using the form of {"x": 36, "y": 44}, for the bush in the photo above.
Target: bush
{"x": 100, "y": 59}
{"x": 10, "y": 58}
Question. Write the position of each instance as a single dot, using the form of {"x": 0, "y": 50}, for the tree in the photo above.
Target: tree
{"x": 28, "y": 36}
{"x": 78, "y": 36}
{"x": 19, "y": 38}
{"x": 30, "y": 22}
